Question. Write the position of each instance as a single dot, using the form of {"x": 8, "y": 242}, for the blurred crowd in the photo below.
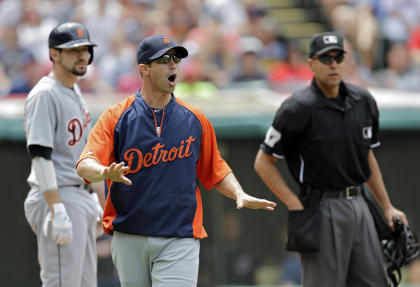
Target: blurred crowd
{"x": 232, "y": 43}
{"x": 384, "y": 40}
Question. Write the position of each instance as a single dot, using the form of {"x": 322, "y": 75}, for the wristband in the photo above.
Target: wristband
{"x": 44, "y": 173}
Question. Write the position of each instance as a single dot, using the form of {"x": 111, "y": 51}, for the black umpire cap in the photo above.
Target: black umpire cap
{"x": 322, "y": 43}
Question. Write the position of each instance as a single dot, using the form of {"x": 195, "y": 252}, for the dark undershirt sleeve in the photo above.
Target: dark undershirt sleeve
{"x": 38, "y": 150}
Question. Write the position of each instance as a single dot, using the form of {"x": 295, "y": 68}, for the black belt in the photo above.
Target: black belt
{"x": 85, "y": 186}
{"x": 347, "y": 193}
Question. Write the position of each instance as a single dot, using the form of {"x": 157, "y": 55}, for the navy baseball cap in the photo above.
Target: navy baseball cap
{"x": 156, "y": 46}
{"x": 324, "y": 42}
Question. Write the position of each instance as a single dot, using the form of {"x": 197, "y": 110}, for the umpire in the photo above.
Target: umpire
{"x": 326, "y": 133}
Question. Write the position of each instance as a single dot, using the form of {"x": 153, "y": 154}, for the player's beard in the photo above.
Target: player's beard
{"x": 77, "y": 72}
{"x": 73, "y": 70}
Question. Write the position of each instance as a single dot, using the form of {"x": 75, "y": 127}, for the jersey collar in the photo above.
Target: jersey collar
{"x": 148, "y": 109}
{"x": 322, "y": 101}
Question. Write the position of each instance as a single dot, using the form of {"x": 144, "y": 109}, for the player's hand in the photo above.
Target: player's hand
{"x": 62, "y": 231}
{"x": 393, "y": 212}
{"x": 245, "y": 200}
{"x": 99, "y": 215}
{"x": 115, "y": 172}
{"x": 99, "y": 209}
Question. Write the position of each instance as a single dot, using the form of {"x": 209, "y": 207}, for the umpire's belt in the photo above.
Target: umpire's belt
{"x": 347, "y": 193}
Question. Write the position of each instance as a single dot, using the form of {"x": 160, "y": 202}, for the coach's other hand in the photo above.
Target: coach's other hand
{"x": 245, "y": 200}
{"x": 61, "y": 226}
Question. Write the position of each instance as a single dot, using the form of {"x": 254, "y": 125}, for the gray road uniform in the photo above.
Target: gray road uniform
{"x": 56, "y": 117}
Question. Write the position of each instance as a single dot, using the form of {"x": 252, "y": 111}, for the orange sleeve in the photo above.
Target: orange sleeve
{"x": 100, "y": 145}
{"x": 211, "y": 167}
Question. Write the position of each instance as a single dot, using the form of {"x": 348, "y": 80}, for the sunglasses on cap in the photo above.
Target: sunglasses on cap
{"x": 165, "y": 59}
{"x": 328, "y": 59}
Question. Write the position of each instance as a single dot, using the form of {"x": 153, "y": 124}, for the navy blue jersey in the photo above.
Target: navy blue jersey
{"x": 168, "y": 152}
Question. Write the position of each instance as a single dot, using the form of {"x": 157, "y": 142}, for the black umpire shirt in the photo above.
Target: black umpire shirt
{"x": 325, "y": 143}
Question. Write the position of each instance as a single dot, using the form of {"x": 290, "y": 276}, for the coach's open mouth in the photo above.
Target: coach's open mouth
{"x": 172, "y": 79}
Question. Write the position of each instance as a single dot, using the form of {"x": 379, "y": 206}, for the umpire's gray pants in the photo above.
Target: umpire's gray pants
{"x": 350, "y": 253}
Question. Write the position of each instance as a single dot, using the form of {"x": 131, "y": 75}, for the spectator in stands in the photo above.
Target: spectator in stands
{"x": 183, "y": 16}
{"x": 216, "y": 47}
{"x": 249, "y": 70}
{"x": 128, "y": 83}
{"x": 100, "y": 17}
{"x": 5, "y": 82}
{"x": 291, "y": 74}
{"x": 255, "y": 21}
{"x": 33, "y": 31}
{"x": 11, "y": 58}
{"x": 274, "y": 44}
{"x": 400, "y": 17}
{"x": 59, "y": 10}
{"x": 261, "y": 26}
{"x": 119, "y": 59}
{"x": 18, "y": 63}
{"x": 10, "y": 13}
{"x": 231, "y": 14}
{"x": 195, "y": 83}
{"x": 413, "y": 45}
{"x": 92, "y": 82}
{"x": 358, "y": 24}
{"x": 134, "y": 20}
{"x": 353, "y": 72}
{"x": 399, "y": 72}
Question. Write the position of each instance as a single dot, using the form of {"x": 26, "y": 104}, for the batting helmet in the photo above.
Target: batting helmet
{"x": 70, "y": 35}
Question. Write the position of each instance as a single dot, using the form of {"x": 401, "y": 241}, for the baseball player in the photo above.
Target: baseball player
{"x": 59, "y": 207}
{"x": 153, "y": 149}
{"x": 326, "y": 133}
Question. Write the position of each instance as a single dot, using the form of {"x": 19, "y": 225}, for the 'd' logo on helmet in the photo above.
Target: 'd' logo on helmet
{"x": 166, "y": 40}
{"x": 80, "y": 33}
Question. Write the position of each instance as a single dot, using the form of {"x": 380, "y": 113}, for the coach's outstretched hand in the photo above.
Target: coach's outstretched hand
{"x": 92, "y": 171}
{"x": 230, "y": 187}
{"x": 115, "y": 172}
{"x": 245, "y": 200}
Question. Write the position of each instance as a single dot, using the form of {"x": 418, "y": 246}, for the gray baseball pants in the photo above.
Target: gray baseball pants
{"x": 350, "y": 253}
{"x": 69, "y": 265}
{"x": 155, "y": 261}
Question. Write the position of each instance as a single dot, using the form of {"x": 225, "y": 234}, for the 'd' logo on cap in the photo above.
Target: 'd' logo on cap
{"x": 80, "y": 33}
{"x": 166, "y": 40}
{"x": 331, "y": 39}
